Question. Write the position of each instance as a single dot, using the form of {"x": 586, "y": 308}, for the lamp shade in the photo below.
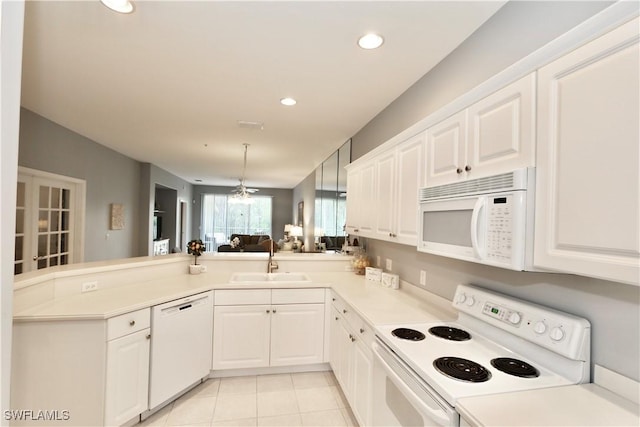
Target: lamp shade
{"x": 287, "y": 228}
{"x": 296, "y": 231}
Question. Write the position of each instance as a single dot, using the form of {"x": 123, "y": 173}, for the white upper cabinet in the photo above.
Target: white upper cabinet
{"x": 360, "y": 197}
{"x": 385, "y": 195}
{"x": 386, "y": 207}
{"x": 587, "y": 196}
{"x": 446, "y": 147}
{"x": 492, "y": 136}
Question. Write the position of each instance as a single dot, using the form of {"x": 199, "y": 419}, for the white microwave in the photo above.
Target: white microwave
{"x": 485, "y": 220}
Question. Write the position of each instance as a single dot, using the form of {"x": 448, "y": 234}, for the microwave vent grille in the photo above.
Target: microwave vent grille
{"x": 491, "y": 184}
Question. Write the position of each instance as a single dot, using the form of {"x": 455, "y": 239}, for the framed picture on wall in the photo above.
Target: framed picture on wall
{"x": 300, "y": 213}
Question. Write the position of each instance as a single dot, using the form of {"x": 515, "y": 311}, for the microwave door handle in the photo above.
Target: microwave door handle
{"x": 475, "y": 230}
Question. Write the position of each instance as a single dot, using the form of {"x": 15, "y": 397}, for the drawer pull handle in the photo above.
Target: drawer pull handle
{"x": 362, "y": 330}
{"x": 274, "y": 311}
{"x": 132, "y": 322}
{"x": 148, "y": 336}
{"x": 268, "y": 311}
{"x": 337, "y": 317}
{"x": 344, "y": 311}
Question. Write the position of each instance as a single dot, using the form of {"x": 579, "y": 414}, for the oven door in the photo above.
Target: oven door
{"x": 401, "y": 398}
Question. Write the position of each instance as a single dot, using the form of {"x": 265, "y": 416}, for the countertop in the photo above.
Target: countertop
{"x": 575, "y": 405}
{"x": 370, "y": 300}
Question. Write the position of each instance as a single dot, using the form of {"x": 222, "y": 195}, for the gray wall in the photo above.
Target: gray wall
{"x": 111, "y": 178}
{"x": 515, "y": 31}
{"x": 153, "y": 176}
{"x": 281, "y": 213}
{"x": 306, "y": 192}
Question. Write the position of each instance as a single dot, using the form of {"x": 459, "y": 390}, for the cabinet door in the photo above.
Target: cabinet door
{"x": 127, "y": 387}
{"x": 501, "y": 130}
{"x": 362, "y": 372}
{"x": 335, "y": 347}
{"x": 384, "y": 203}
{"x": 410, "y": 178}
{"x": 446, "y": 150}
{"x": 353, "y": 201}
{"x": 587, "y": 186}
{"x": 367, "y": 199}
{"x": 241, "y": 336}
{"x": 297, "y": 334}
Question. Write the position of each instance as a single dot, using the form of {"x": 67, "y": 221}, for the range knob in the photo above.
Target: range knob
{"x": 540, "y": 327}
{"x": 556, "y": 334}
{"x": 470, "y": 301}
{"x": 461, "y": 298}
{"x": 514, "y": 318}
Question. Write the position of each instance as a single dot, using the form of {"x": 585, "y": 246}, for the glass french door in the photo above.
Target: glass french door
{"x": 46, "y": 212}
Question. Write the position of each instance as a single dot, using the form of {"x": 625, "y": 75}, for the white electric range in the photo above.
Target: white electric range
{"x": 498, "y": 344}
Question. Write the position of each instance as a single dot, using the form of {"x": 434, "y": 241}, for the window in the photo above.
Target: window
{"x": 330, "y": 215}
{"x": 221, "y": 218}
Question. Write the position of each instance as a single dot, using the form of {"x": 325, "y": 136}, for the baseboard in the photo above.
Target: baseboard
{"x": 269, "y": 370}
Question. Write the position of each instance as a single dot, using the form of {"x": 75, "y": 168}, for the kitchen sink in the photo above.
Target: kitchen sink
{"x": 269, "y": 278}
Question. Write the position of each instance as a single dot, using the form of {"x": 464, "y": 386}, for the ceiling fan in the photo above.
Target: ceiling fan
{"x": 241, "y": 191}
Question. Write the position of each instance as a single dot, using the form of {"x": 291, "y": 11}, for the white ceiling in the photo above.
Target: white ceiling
{"x": 168, "y": 83}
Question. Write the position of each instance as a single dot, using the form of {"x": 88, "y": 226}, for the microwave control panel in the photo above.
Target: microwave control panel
{"x": 499, "y": 227}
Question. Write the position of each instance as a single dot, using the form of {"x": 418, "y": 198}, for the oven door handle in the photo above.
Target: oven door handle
{"x": 435, "y": 414}
{"x": 475, "y": 229}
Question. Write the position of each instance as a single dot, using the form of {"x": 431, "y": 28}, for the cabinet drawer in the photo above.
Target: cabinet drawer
{"x": 339, "y": 304}
{"x": 243, "y": 296}
{"x": 128, "y": 323}
{"x": 297, "y": 296}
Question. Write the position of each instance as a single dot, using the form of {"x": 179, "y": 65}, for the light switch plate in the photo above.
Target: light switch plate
{"x": 423, "y": 277}
{"x": 389, "y": 264}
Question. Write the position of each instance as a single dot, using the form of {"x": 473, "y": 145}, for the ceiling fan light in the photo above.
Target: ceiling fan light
{"x": 288, "y": 102}
{"x": 370, "y": 41}
{"x": 120, "y": 6}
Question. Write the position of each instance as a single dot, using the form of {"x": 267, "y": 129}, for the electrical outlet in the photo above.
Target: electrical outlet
{"x": 89, "y": 286}
{"x": 203, "y": 268}
{"x": 423, "y": 277}
{"x": 378, "y": 262}
{"x": 389, "y": 264}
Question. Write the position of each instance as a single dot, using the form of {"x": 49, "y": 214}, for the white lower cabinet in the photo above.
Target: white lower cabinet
{"x": 92, "y": 372}
{"x": 351, "y": 358}
{"x": 260, "y": 328}
{"x": 127, "y": 377}
{"x": 127, "y": 388}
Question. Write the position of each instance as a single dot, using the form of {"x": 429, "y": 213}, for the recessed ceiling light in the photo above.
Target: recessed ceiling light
{"x": 288, "y": 101}
{"x": 121, "y": 6}
{"x": 370, "y": 41}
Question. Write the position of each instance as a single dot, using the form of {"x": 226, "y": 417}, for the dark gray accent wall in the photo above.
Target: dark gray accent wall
{"x": 110, "y": 176}
{"x": 281, "y": 213}
{"x": 515, "y": 31}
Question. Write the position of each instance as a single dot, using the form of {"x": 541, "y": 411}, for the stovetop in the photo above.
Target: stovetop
{"x": 421, "y": 355}
{"x": 545, "y": 347}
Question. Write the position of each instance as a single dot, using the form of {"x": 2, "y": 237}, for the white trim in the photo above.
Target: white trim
{"x": 617, "y": 383}
{"x": 79, "y": 208}
{"x": 599, "y": 24}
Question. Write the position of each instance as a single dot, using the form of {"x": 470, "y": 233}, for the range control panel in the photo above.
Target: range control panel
{"x": 501, "y": 313}
{"x": 558, "y": 331}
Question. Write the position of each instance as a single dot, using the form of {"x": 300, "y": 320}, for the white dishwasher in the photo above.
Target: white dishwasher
{"x": 181, "y": 345}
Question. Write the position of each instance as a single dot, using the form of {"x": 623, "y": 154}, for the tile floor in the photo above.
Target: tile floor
{"x": 299, "y": 399}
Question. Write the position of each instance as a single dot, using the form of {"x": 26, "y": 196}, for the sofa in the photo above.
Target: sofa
{"x": 249, "y": 243}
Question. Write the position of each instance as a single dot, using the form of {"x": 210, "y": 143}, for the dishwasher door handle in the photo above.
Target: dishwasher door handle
{"x": 184, "y": 307}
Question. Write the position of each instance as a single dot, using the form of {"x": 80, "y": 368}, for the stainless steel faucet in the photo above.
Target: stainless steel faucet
{"x": 272, "y": 265}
